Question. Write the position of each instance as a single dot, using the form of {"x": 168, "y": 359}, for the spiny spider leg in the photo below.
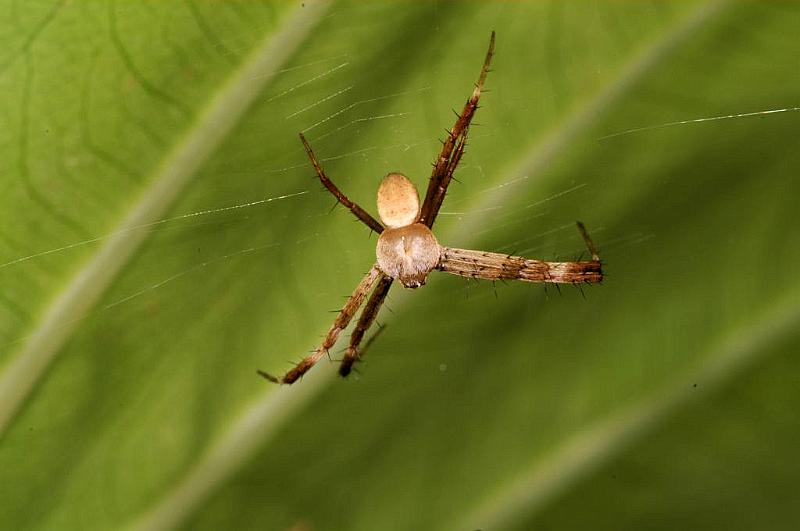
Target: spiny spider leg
{"x": 359, "y": 212}
{"x": 456, "y": 158}
{"x": 448, "y": 160}
{"x": 350, "y": 308}
{"x": 368, "y": 316}
{"x": 588, "y": 241}
{"x": 496, "y": 266}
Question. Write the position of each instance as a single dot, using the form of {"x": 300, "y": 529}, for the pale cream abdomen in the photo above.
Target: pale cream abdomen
{"x": 398, "y": 201}
{"x": 408, "y": 254}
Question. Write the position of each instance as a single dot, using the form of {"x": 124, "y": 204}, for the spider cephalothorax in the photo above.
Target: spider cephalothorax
{"x": 407, "y": 250}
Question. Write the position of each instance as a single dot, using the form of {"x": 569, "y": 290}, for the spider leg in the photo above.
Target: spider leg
{"x": 588, "y": 241}
{"x": 350, "y": 308}
{"x": 359, "y": 212}
{"x": 452, "y": 149}
{"x": 496, "y": 266}
{"x": 364, "y": 322}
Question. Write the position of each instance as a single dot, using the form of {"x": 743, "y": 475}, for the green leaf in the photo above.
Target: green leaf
{"x": 163, "y": 237}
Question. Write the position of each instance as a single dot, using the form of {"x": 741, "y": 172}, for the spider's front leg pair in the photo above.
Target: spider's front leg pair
{"x": 354, "y": 302}
{"x": 443, "y": 168}
{"x": 343, "y": 319}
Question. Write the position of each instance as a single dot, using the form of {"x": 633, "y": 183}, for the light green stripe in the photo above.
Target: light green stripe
{"x": 578, "y": 457}
{"x": 174, "y": 174}
{"x": 235, "y": 446}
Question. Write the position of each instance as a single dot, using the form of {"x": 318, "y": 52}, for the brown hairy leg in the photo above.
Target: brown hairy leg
{"x": 453, "y": 149}
{"x": 359, "y": 212}
{"x": 350, "y": 308}
{"x": 368, "y": 316}
{"x": 497, "y": 266}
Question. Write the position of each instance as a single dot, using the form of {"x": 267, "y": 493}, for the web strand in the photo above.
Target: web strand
{"x": 699, "y": 120}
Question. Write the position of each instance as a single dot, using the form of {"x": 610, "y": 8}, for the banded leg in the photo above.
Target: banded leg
{"x": 452, "y": 149}
{"x": 350, "y": 308}
{"x": 364, "y": 322}
{"x": 359, "y": 212}
{"x": 496, "y": 266}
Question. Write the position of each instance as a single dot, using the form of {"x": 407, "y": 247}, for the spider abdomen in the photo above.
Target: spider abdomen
{"x": 408, "y": 254}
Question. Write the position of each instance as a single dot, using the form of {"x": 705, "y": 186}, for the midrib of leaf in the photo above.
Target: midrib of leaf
{"x": 578, "y": 457}
{"x": 265, "y": 416}
{"x": 223, "y": 111}
{"x": 232, "y": 449}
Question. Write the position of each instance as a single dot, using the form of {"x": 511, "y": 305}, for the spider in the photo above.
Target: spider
{"x": 407, "y": 250}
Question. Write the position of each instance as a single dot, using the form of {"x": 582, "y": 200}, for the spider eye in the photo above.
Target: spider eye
{"x": 398, "y": 201}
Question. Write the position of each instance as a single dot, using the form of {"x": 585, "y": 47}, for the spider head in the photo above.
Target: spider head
{"x": 398, "y": 201}
{"x": 408, "y": 254}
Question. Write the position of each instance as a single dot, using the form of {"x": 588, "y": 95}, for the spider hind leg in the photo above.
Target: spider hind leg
{"x": 343, "y": 319}
{"x": 368, "y": 316}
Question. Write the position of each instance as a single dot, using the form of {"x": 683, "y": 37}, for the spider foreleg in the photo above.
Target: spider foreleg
{"x": 359, "y": 212}
{"x": 346, "y": 314}
{"x": 448, "y": 159}
{"x": 497, "y": 266}
{"x": 368, "y": 316}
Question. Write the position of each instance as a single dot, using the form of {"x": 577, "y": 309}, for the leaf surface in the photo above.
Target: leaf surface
{"x": 164, "y": 237}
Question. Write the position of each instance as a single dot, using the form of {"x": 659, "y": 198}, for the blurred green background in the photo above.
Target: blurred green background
{"x": 136, "y": 304}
